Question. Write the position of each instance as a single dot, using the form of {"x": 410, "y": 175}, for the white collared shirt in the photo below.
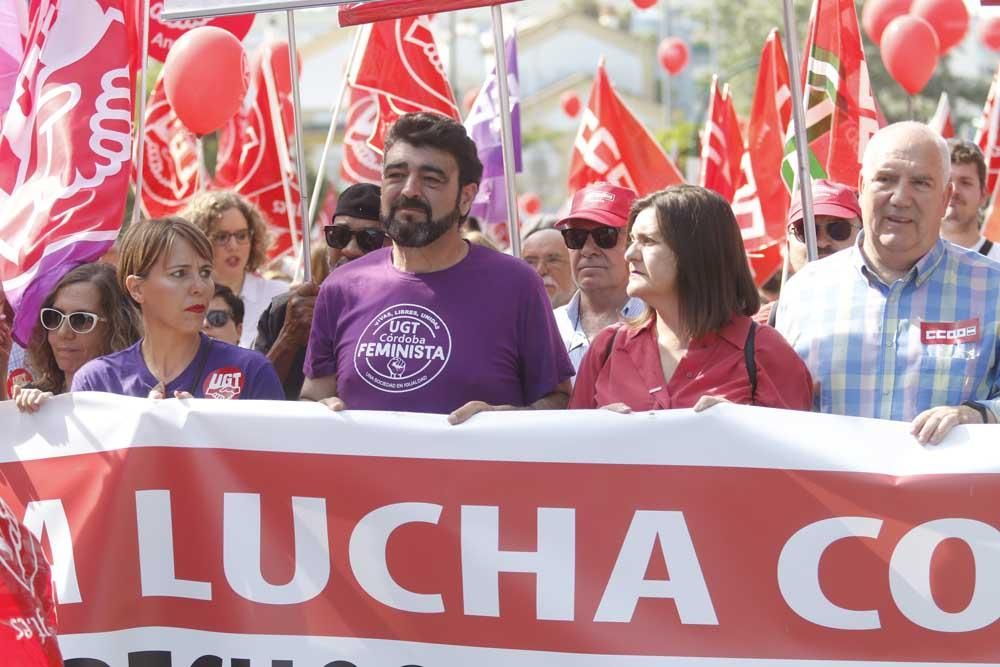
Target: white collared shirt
{"x": 257, "y": 295}
{"x": 571, "y": 329}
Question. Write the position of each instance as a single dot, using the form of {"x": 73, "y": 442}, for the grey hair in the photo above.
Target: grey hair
{"x": 906, "y": 128}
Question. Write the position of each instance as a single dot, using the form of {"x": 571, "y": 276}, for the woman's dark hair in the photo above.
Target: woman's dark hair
{"x": 123, "y": 327}
{"x": 443, "y": 133}
{"x": 233, "y": 302}
{"x": 713, "y": 276}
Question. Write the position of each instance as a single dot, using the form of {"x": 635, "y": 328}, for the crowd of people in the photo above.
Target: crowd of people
{"x": 625, "y": 303}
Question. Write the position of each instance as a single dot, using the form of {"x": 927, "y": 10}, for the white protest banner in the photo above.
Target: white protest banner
{"x": 197, "y": 533}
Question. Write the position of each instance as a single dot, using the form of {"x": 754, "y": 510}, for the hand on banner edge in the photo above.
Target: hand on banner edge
{"x": 619, "y": 408}
{"x": 707, "y": 401}
{"x": 29, "y": 401}
{"x": 932, "y": 425}
{"x": 467, "y": 411}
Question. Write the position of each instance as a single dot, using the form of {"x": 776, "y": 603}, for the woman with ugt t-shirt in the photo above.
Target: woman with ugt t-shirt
{"x": 165, "y": 267}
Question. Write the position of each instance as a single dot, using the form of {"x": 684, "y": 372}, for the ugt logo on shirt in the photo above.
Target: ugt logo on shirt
{"x": 225, "y": 383}
{"x": 404, "y": 348}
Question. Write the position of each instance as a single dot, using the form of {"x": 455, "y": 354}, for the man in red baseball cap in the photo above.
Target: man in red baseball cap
{"x": 596, "y": 235}
{"x": 838, "y": 220}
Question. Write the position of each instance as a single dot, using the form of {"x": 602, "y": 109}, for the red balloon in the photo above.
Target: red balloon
{"x": 949, "y": 18}
{"x": 644, "y": 4}
{"x": 531, "y": 203}
{"x": 910, "y": 52}
{"x": 876, "y": 14}
{"x": 989, "y": 32}
{"x": 205, "y": 78}
{"x": 672, "y": 54}
{"x": 570, "y": 103}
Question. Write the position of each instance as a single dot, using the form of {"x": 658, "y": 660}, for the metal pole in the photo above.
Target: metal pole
{"x": 300, "y": 151}
{"x": 909, "y": 107}
{"x": 140, "y": 134}
{"x": 280, "y": 141}
{"x": 799, "y": 121}
{"x": 332, "y": 132}
{"x": 506, "y": 131}
{"x": 667, "y": 77}
{"x": 202, "y": 168}
{"x": 453, "y": 49}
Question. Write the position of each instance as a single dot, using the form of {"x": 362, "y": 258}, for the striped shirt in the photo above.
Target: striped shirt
{"x": 893, "y": 351}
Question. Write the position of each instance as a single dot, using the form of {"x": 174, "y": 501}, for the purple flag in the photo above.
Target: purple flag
{"x": 12, "y": 16}
{"x": 483, "y": 125}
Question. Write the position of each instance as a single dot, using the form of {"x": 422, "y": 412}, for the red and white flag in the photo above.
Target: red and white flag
{"x": 721, "y": 144}
{"x": 383, "y": 10}
{"x": 170, "y": 170}
{"x": 66, "y": 147}
{"x": 613, "y": 145}
{"x": 988, "y": 134}
{"x": 255, "y": 156}
{"x": 163, "y": 34}
{"x": 841, "y": 112}
{"x": 761, "y": 200}
{"x": 941, "y": 121}
{"x": 360, "y": 164}
{"x": 399, "y": 62}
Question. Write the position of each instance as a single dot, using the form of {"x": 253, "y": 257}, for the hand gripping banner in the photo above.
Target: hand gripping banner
{"x": 191, "y": 533}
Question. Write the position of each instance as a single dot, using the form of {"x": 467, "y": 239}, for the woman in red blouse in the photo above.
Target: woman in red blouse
{"x": 696, "y": 344}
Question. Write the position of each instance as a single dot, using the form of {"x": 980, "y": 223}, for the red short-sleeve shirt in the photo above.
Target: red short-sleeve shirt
{"x": 713, "y": 365}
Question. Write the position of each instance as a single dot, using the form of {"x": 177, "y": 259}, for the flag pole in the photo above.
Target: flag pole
{"x": 506, "y": 131}
{"x": 300, "y": 158}
{"x": 332, "y": 132}
{"x": 140, "y": 135}
{"x": 799, "y": 121}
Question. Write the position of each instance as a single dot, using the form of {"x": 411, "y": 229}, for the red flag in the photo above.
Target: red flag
{"x": 721, "y": 144}
{"x": 383, "y": 10}
{"x": 989, "y": 132}
{"x": 360, "y": 164}
{"x": 255, "y": 158}
{"x": 163, "y": 34}
{"x": 765, "y": 260}
{"x": 941, "y": 121}
{"x": 65, "y": 147}
{"x": 398, "y": 61}
{"x": 613, "y": 145}
{"x": 841, "y": 111}
{"x": 170, "y": 170}
{"x": 761, "y": 200}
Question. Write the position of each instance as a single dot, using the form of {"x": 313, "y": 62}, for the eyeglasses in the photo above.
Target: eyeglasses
{"x": 837, "y": 230}
{"x": 604, "y": 237}
{"x": 339, "y": 237}
{"x": 80, "y": 322}
{"x": 217, "y": 318}
{"x": 222, "y": 238}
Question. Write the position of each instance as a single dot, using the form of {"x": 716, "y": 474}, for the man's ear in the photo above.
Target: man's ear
{"x": 466, "y": 196}
{"x": 133, "y": 285}
{"x": 239, "y": 330}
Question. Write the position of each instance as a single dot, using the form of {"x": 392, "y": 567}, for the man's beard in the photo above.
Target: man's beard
{"x": 418, "y": 234}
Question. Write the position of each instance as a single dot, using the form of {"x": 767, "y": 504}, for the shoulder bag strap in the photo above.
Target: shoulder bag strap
{"x": 751, "y": 364}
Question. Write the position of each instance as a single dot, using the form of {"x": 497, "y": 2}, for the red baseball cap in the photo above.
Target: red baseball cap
{"x": 829, "y": 198}
{"x": 602, "y": 203}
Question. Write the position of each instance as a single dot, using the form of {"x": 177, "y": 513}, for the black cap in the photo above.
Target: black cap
{"x": 362, "y": 200}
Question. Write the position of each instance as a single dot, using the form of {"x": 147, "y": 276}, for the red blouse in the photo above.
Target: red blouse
{"x": 713, "y": 365}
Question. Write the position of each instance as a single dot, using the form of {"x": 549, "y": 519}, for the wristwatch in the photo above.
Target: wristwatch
{"x": 978, "y": 407}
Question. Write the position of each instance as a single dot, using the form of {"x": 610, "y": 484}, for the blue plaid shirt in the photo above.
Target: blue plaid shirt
{"x": 862, "y": 339}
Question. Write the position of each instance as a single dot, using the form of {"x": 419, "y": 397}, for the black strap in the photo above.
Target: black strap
{"x": 984, "y": 249}
{"x": 202, "y": 360}
{"x": 772, "y": 316}
{"x": 748, "y": 359}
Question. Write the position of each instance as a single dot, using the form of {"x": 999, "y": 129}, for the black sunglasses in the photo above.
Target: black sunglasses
{"x": 339, "y": 237}
{"x": 81, "y": 322}
{"x": 837, "y": 230}
{"x": 217, "y": 318}
{"x": 604, "y": 237}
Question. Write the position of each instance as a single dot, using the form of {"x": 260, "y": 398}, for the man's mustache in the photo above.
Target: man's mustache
{"x": 410, "y": 202}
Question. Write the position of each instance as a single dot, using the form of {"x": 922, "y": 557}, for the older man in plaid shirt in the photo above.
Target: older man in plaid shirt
{"x": 902, "y": 325}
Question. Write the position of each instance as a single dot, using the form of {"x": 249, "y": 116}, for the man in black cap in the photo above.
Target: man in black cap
{"x": 283, "y": 329}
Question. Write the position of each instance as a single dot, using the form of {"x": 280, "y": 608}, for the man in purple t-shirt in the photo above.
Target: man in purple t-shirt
{"x": 434, "y": 324}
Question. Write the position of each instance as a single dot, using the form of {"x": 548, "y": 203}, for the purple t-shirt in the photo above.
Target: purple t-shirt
{"x": 218, "y": 370}
{"x": 430, "y": 342}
